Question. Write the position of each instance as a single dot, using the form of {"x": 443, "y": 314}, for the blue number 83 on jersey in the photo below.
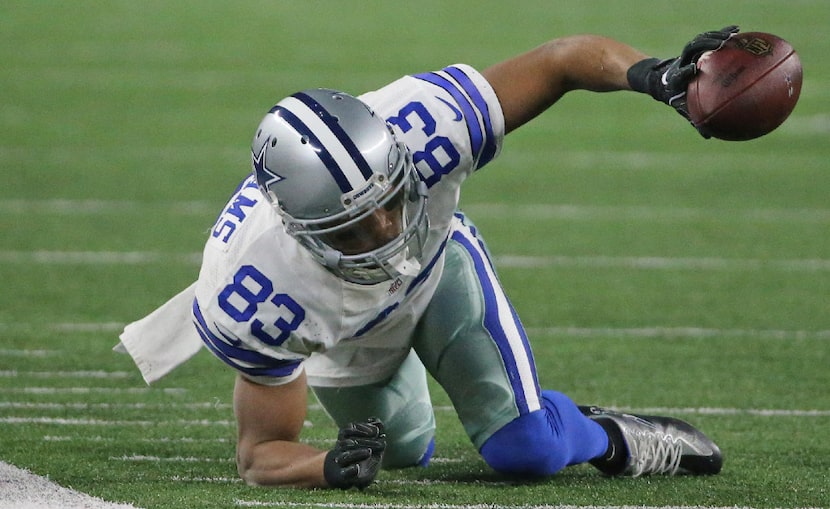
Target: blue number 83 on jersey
{"x": 242, "y": 298}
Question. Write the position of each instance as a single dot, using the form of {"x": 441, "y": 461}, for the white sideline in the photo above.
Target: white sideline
{"x": 25, "y": 490}
{"x": 346, "y": 505}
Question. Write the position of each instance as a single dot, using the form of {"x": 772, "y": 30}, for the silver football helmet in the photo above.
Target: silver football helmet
{"x": 342, "y": 182}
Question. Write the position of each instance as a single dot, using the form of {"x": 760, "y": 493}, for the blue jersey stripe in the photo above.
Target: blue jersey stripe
{"x": 322, "y": 152}
{"x": 470, "y": 117}
{"x": 332, "y": 123}
{"x": 265, "y": 366}
{"x": 467, "y": 84}
{"x": 422, "y": 276}
{"x": 495, "y": 327}
{"x": 482, "y": 139}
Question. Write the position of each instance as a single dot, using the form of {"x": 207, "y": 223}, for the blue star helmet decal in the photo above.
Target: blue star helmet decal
{"x": 264, "y": 176}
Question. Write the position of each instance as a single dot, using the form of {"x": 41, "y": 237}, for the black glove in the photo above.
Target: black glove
{"x": 357, "y": 455}
{"x": 667, "y": 80}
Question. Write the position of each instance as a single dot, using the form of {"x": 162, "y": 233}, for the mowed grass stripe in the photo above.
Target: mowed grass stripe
{"x": 85, "y": 406}
{"x": 757, "y": 412}
{"x": 650, "y": 331}
{"x": 11, "y": 352}
{"x": 653, "y": 331}
{"x": 532, "y": 211}
{"x": 662, "y": 263}
{"x": 65, "y": 421}
{"x": 170, "y": 459}
{"x": 505, "y": 261}
{"x": 91, "y": 390}
{"x": 160, "y": 440}
{"x": 98, "y": 257}
{"x": 13, "y": 373}
{"x": 578, "y": 212}
{"x": 679, "y": 333}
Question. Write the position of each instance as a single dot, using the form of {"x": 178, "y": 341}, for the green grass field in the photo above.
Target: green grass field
{"x": 654, "y": 270}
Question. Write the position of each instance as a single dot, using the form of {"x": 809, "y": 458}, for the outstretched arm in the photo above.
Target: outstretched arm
{"x": 528, "y": 84}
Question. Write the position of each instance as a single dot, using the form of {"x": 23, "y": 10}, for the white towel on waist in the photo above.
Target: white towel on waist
{"x": 164, "y": 339}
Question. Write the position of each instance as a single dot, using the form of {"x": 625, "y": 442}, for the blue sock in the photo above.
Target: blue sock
{"x": 424, "y": 461}
{"x": 544, "y": 442}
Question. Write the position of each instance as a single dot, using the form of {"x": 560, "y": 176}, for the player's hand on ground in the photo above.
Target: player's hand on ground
{"x": 667, "y": 80}
{"x": 356, "y": 457}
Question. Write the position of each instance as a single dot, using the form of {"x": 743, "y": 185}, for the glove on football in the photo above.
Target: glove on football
{"x": 667, "y": 80}
{"x": 356, "y": 457}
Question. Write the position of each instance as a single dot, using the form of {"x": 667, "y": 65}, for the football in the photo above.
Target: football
{"x": 745, "y": 89}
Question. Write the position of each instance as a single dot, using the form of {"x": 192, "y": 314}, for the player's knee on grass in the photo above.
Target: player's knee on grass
{"x": 544, "y": 442}
{"x": 412, "y": 450}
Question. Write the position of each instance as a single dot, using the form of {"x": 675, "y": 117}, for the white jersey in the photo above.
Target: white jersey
{"x": 265, "y": 307}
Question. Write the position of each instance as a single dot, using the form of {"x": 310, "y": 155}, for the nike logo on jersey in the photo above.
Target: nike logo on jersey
{"x": 453, "y": 108}
{"x": 395, "y": 286}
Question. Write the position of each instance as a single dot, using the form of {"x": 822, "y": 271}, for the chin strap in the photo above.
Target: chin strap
{"x": 401, "y": 263}
{"x": 405, "y": 266}
{"x": 331, "y": 258}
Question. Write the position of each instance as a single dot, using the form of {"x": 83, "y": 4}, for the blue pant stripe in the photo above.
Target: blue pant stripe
{"x": 502, "y": 324}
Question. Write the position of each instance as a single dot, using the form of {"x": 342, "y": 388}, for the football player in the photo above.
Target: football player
{"x": 342, "y": 264}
